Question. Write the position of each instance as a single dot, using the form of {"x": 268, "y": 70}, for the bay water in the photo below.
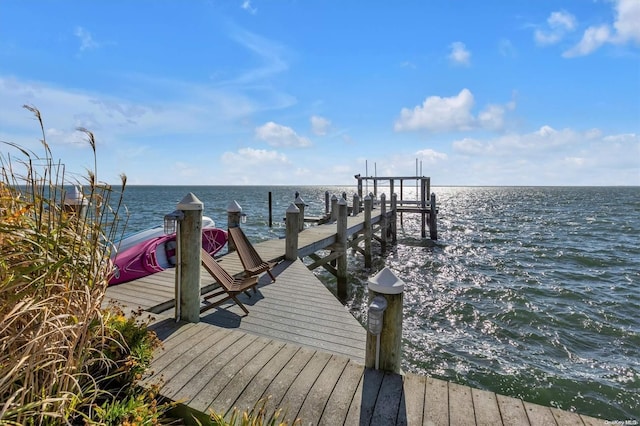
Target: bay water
{"x": 531, "y": 292}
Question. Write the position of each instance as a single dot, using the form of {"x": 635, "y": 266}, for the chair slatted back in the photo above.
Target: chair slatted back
{"x": 249, "y": 257}
{"x": 216, "y": 271}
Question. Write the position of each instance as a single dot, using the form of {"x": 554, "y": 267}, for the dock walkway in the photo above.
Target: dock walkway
{"x": 301, "y": 349}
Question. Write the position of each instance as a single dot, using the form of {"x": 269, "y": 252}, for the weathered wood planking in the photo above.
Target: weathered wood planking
{"x": 297, "y": 308}
{"x": 208, "y": 368}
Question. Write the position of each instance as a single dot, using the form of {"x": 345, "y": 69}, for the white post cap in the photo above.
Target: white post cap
{"x": 234, "y": 207}
{"x": 190, "y": 202}
{"x": 74, "y": 197}
{"x": 293, "y": 208}
{"x": 386, "y": 282}
{"x": 299, "y": 201}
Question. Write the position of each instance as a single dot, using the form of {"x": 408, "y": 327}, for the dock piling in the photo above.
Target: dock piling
{"x": 327, "y": 203}
{"x": 433, "y": 218}
{"x": 334, "y": 208}
{"x": 384, "y": 222}
{"x": 291, "y": 244}
{"x": 270, "y": 210}
{"x": 394, "y": 218}
{"x": 234, "y": 216}
{"x": 299, "y": 202}
{"x": 75, "y": 202}
{"x": 341, "y": 239}
{"x": 385, "y": 349}
{"x": 190, "y": 241}
{"x": 356, "y": 205}
{"x": 368, "y": 230}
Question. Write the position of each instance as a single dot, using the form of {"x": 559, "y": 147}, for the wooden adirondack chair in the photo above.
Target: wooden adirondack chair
{"x": 228, "y": 284}
{"x": 251, "y": 260}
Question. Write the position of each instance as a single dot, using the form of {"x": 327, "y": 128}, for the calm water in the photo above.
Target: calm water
{"x": 529, "y": 292}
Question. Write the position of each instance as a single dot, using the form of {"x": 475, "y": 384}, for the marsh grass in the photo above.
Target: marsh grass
{"x": 63, "y": 358}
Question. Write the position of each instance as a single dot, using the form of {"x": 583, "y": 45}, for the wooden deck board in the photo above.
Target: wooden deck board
{"x": 185, "y": 367}
{"x": 486, "y": 408}
{"x": 364, "y": 400}
{"x": 539, "y": 415}
{"x": 278, "y": 388}
{"x": 512, "y": 411}
{"x": 460, "y": 405}
{"x": 319, "y": 394}
{"x": 244, "y": 377}
{"x": 436, "y": 402}
{"x": 340, "y": 400}
{"x": 299, "y": 389}
{"x": 388, "y": 401}
{"x": 202, "y": 390}
{"x": 218, "y": 383}
{"x": 257, "y": 389}
{"x": 566, "y": 418}
{"x": 414, "y": 398}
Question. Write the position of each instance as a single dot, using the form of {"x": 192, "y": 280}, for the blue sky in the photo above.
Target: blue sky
{"x": 491, "y": 92}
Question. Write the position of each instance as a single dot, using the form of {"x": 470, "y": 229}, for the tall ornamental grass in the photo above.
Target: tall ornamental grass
{"x": 63, "y": 359}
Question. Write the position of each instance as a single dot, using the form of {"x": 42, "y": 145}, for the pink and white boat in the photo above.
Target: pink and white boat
{"x": 157, "y": 253}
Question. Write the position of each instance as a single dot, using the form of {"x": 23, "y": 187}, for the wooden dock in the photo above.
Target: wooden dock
{"x": 302, "y": 351}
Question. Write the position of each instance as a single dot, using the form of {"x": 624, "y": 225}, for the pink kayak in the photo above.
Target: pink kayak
{"x": 157, "y": 254}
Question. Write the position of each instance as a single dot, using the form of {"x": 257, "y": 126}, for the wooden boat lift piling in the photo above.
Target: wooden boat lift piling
{"x": 425, "y": 205}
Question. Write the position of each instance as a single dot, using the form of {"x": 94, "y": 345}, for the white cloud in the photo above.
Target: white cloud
{"x": 320, "y": 125}
{"x": 468, "y": 146}
{"x": 546, "y": 155}
{"x": 593, "y": 38}
{"x": 270, "y": 53}
{"x": 186, "y": 170}
{"x": 86, "y": 40}
{"x": 492, "y": 117}
{"x": 451, "y": 114}
{"x": 507, "y": 49}
{"x": 625, "y": 29}
{"x": 627, "y": 21}
{"x": 246, "y": 5}
{"x": 459, "y": 54}
{"x": 558, "y": 25}
{"x": 279, "y": 135}
{"x": 186, "y": 108}
{"x": 562, "y": 20}
{"x": 593, "y": 134}
{"x": 439, "y": 114}
{"x": 253, "y": 157}
{"x": 430, "y": 156}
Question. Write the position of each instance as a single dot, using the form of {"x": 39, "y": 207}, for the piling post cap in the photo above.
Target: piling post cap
{"x": 386, "y": 282}
{"x": 299, "y": 201}
{"x": 190, "y": 202}
{"x": 234, "y": 207}
{"x": 333, "y": 197}
{"x": 342, "y": 202}
{"x": 367, "y": 197}
{"x": 293, "y": 208}
{"x": 75, "y": 197}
